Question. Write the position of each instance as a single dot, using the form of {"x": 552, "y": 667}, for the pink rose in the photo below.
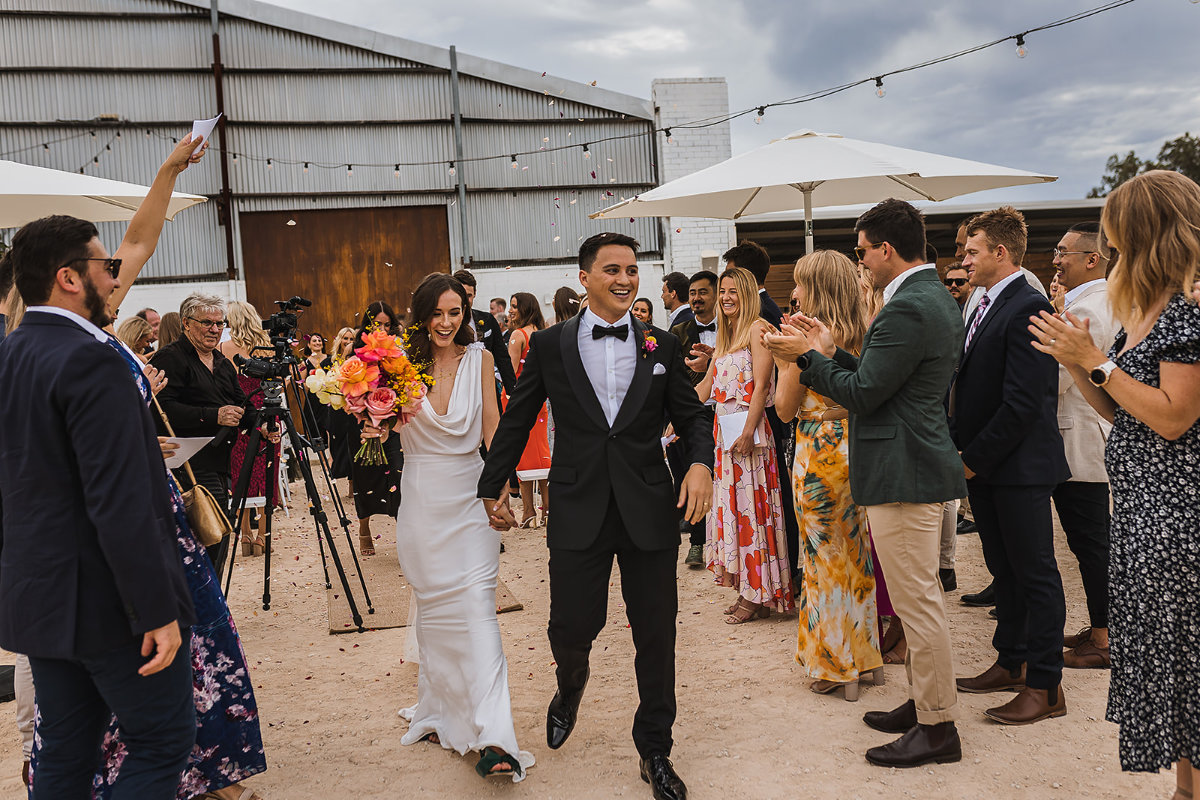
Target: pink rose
{"x": 381, "y": 405}
{"x": 356, "y": 404}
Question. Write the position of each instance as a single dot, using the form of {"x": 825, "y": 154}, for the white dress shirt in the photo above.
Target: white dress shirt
{"x": 894, "y": 286}
{"x": 609, "y": 362}
{"x": 86, "y": 324}
{"x": 707, "y": 337}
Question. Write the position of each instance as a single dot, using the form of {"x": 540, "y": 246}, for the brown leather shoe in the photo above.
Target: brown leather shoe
{"x": 1087, "y": 655}
{"x": 1074, "y": 640}
{"x": 1029, "y": 706}
{"x": 995, "y": 679}
{"x": 923, "y": 744}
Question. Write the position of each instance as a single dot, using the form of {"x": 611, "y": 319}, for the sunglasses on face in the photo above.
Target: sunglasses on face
{"x": 859, "y": 252}
{"x": 955, "y": 281}
{"x": 111, "y": 265}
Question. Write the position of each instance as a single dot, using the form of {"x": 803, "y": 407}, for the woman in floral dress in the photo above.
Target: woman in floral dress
{"x": 838, "y": 640}
{"x": 746, "y": 547}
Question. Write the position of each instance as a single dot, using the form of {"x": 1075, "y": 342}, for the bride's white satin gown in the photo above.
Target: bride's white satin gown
{"x": 450, "y": 556}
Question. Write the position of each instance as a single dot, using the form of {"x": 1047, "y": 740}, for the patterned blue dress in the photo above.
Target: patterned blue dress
{"x": 229, "y": 744}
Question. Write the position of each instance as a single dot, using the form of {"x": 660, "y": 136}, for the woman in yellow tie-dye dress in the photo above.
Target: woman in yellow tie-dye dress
{"x": 838, "y": 640}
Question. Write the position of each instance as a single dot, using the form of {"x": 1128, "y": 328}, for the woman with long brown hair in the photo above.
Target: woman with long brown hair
{"x": 525, "y": 317}
{"x": 838, "y": 639}
{"x": 746, "y": 548}
{"x": 1148, "y": 386}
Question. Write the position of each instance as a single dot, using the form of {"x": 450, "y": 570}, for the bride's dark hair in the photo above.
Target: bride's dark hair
{"x": 424, "y": 304}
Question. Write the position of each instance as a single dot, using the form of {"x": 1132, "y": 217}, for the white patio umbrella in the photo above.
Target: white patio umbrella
{"x": 28, "y": 193}
{"x": 807, "y": 170}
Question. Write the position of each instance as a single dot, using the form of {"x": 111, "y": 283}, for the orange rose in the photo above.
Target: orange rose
{"x": 357, "y": 377}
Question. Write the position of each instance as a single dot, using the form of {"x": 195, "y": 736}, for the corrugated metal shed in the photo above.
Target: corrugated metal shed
{"x": 300, "y": 89}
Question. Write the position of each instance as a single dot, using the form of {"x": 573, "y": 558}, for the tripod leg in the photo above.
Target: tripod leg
{"x": 264, "y": 524}
{"x": 324, "y": 562}
{"x": 239, "y": 499}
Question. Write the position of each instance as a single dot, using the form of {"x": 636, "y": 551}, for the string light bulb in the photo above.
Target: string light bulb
{"x": 235, "y": 159}
{"x": 1022, "y": 50}
{"x": 396, "y": 172}
{"x": 269, "y": 166}
{"x": 349, "y": 170}
{"x": 758, "y": 119}
{"x": 306, "y": 166}
{"x": 587, "y": 153}
{"x": 147, "y": 133}
{"x": 45, "y": 147}
{"x": 670, "y": 139}
{"x": 514, "y": 162}
{"x": 879, "y": 90}
{"x": 452, "y": 171}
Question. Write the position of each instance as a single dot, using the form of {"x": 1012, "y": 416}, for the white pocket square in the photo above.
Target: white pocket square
{"x": 659, "y": 369}
{"x": 487, "y": 334}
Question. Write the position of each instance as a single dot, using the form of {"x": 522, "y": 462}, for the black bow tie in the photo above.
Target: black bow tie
{"x": 619, "y": 331}
{"x": 710, "y": 327}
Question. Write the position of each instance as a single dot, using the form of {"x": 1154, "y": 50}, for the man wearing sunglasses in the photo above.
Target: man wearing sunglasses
{"x": 91, "y": 585}
{"x": 957, "y": 283}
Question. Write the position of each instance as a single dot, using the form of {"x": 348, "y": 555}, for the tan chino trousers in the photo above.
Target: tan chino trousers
{"x": 907, "y": 539}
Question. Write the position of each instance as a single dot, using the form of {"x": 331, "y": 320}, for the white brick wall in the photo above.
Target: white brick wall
{"x": 690, "y": 240}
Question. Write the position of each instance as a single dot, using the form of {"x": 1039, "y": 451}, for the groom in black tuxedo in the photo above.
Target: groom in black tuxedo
{"x": 611, "y": 381}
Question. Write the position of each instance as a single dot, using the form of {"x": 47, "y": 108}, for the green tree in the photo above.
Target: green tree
{"x": 1181, "y": 154}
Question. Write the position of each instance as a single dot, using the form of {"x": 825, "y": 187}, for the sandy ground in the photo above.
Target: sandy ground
{"x": 747, "y": 723}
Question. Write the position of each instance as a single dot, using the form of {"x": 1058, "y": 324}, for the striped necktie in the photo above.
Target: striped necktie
{"x": 983, "y": 304}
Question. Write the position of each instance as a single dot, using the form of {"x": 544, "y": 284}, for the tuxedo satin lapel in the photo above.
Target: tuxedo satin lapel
{"x": 640, "y": 385}
{"x": 581, "y": 384}
{"x": 992, "y": 312}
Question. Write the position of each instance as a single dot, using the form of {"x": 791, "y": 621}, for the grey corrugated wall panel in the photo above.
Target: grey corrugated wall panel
{"x": 330, "y": 96}
{"x": 134, "y": 158}
{"x": 98, "y": 6}
{"x": 247, "y": 44}
{"x": 192, "y": 245}
{"x": 113, "y": 42}
{"x": 315, "y": 203}
{"x": 491, "y": 100}
{"x": 507, "y": 228}
{"x": 47, "y": 97}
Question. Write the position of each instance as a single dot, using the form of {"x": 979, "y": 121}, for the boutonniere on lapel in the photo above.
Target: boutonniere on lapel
{"x": 649, "y": 345}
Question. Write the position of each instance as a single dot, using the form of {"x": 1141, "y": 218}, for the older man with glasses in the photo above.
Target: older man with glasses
{"x": 202, "y": 397}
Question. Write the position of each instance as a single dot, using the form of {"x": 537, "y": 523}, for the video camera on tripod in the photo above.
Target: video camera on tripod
{"x": 280, "y": 328}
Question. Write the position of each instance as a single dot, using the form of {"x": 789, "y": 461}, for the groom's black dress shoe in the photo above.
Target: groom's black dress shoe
{"x": 660, "y": 774}
{"x": 560, "y": 717}
{"x": 923, "y": 744}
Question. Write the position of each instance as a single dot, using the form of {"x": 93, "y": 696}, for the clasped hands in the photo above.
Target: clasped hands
{"x": 797, "y": 335}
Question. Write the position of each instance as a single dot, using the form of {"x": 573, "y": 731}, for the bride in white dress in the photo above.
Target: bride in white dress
{"x": 449, "y": 553}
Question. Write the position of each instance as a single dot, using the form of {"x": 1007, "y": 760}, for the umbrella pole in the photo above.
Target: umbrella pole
{"x": 808, "y": 222}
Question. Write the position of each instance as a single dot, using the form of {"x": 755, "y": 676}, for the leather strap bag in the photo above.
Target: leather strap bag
{"x": 207, "y": 519}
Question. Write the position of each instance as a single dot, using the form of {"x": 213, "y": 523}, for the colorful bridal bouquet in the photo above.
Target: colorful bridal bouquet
{"x": 378, "y": 384}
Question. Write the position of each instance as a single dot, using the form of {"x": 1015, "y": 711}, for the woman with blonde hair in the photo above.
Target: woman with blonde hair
{"x": 245, "y": 333}
{"x": 136, "y": 333}
{"x": 1148, "y": 386}
{"x": 838, "y": 640}
{"x": 746, "y": 547}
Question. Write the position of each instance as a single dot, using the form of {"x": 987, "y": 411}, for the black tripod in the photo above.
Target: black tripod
{"x": 275, "y": 416}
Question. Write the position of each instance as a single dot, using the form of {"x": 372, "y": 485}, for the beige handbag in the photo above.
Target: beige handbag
{"x": 205, "y": 517}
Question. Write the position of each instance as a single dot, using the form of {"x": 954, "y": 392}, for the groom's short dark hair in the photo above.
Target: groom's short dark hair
{"x": 588, "y": 250}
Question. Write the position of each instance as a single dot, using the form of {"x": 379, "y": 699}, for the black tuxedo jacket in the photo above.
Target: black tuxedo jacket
{"x": 88, "y": 557}
{"x": 688, "y": 335}
{"x": 1005, "y": 415}
{"x": 592, "y": 461}
{"x": 769, "y": 309}
{"x": 487, "y": 330}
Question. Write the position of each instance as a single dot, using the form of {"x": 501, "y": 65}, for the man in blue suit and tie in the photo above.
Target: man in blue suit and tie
{"x": 91, "y": 585}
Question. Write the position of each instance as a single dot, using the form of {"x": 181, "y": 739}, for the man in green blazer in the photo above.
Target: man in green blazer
{"x": 903, "y": 464}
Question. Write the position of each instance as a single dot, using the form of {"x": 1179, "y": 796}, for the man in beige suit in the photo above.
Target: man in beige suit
{"x": 1082, "y": 501}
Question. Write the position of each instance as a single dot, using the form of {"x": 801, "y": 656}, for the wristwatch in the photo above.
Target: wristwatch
{"x": 802, "y": 361}
{"x": 1100, "y": 375}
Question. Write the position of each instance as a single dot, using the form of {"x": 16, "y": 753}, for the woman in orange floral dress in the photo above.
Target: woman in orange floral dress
{"x": 746, "y": 547}
{"x": 838, "y": 640}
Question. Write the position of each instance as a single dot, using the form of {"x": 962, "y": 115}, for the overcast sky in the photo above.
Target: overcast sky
{"x": 1126, "y": 79}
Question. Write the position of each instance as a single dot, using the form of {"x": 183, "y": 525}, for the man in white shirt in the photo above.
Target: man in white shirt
{"x": 1082, "y": 501}
{"x": 675, "y": 298}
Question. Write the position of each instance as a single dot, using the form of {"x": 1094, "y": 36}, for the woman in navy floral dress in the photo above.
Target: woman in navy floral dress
{"x": 1148, "y": 385}
{"x": 228, "y": 745}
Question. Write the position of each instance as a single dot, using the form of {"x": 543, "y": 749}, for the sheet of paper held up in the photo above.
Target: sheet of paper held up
{"x": 732, "y": 426}
{"x": 201, "y": 130}
{"x": 188, "y": 447}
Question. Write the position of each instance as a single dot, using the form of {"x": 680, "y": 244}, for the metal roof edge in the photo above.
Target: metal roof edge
{"x": 387, "y": 44}
{"x": 849, "y": 212}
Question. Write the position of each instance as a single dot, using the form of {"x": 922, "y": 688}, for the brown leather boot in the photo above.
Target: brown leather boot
{"x": 1073, "y": 640}
{"x": 1087, "y": 655}
{"x": 1029, "y": 706}
{"x": 995, "y": 679}
{"x": 923, "y": 744}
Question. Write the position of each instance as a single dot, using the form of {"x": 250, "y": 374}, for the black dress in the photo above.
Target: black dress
{"x": 1154, "y": 567}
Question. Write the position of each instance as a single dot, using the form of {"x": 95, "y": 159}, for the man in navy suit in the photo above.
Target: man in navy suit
{"x": 91, "y": 585}
{"x": 1004, "y": 419}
